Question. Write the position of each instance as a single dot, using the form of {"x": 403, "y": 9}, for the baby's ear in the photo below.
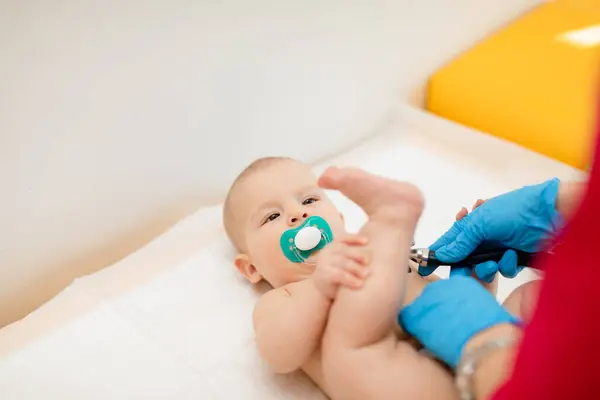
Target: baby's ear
{"x": 244, "y": 265}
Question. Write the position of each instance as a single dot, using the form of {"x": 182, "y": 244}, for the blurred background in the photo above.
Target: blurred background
{"x": 119, "y": 118}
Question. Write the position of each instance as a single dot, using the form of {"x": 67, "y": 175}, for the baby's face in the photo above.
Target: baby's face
{"x": 272, "y": 200}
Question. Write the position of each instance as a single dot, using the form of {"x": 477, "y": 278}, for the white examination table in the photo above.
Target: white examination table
{"x": 173, "y": 320}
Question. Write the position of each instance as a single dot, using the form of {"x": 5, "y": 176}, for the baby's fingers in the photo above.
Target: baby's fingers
{"x": 348, "y": 272}
{"x": 355, "y": 269}
{"x": 350, "y": 279}
{"x": 357, "y": 254}
{"x": 355, "y": 240}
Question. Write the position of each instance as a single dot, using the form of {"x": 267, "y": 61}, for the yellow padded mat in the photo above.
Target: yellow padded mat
{"x": 534, "y": 82}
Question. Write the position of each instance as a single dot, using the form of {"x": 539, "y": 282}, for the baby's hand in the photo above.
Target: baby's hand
{"x": 343, "y": 262}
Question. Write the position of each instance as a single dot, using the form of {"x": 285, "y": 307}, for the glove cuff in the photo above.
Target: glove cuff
{"x": 449, "y": 312}
{"x": 549, "y": 197}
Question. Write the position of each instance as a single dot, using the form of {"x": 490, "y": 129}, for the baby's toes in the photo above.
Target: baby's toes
{"x": 352, "y": 281}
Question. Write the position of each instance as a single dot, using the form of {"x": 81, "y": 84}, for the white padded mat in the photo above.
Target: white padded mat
{"x": 172, "y": 321}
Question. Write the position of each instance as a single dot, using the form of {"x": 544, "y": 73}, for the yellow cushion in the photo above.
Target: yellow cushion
{"x": 533, "y": 82}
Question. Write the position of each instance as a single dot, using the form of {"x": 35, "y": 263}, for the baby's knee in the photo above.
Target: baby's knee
{"x": 522, "y": 300}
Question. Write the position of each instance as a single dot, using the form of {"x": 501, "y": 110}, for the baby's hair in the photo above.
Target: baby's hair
{"x": 228, "y": 213}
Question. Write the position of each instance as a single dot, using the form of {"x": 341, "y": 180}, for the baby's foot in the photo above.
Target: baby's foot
{"x": 383, "y": 199}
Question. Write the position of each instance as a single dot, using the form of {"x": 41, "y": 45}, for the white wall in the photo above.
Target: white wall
{"x": 117, "y": 118}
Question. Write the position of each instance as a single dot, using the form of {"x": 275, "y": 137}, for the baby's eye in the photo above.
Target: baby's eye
{"x": 270, "y": 218}
{"x": 310, "y": 200}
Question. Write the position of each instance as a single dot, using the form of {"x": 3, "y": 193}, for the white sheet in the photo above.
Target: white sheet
{"x": 172, "y": 321}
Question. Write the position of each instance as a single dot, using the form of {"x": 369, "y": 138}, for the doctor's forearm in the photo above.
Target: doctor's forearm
{"x": 493, "y": 370}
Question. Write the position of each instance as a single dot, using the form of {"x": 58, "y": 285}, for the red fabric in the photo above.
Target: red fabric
{"x": 559, "y": 357}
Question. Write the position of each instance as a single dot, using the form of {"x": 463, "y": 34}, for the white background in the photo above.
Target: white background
{"x": 118, "y": 118}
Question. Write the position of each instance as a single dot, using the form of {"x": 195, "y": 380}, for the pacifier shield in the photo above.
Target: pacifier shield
{"x": 299, "y": 243}
{"x": 307, "y": 238}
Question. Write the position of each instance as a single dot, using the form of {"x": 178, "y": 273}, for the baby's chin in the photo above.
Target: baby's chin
{"x": 312, "y": 259}
{"x": 307, "y": 268}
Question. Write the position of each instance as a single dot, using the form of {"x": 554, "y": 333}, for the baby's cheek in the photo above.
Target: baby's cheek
{"x": 273, "y": 251}
{"x": 266, "y": 247}
{"x": 336, "y": 223}
{"x": 338, "y": 231}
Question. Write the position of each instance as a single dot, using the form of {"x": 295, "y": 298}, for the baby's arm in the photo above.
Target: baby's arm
{"x": 289, "y": 323}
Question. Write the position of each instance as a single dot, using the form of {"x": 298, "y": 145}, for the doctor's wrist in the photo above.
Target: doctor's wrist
{"x": 495, "y": 332}
{"x": 488, "y": 358}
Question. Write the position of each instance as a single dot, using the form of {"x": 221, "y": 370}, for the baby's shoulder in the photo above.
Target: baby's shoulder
{"x": 272, "y": 295}
{"x": 271, "y": 304}
{"x": 279, "y": 298}
{"x": 277, "y": 295}
{"x": 284, "y": 292}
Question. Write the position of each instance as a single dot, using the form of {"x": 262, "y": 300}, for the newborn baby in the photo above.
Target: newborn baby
{"x": 334, "y": 314}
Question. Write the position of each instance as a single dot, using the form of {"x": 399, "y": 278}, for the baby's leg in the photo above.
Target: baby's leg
{"x": 522, "y": 300}
{"x": 362, "y": 358}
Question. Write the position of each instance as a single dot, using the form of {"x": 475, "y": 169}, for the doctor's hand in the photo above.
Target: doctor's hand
{"x": 449, "y": 312}
{"x": 486, "y": 272}
{"x": 522, "y": 219}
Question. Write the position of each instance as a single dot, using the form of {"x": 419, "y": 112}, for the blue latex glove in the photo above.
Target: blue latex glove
{"x": 486, "y": 272}
{"x": 449, "y": 312}
{"x": 522, "y": 219}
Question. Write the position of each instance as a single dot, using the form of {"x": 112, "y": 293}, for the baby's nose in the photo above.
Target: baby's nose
{"x": 294, "y": 219}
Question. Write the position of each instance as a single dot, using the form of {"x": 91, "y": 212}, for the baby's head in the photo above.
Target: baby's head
{"x": 269, "y": 197}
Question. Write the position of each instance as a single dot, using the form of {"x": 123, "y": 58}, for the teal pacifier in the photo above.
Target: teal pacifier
{"x": 299, "y": 243}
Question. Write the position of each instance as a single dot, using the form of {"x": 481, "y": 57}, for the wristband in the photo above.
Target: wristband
{"x": 469, "y": 362}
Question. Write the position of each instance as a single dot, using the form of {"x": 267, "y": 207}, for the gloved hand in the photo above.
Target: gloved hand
{"x": 485, "y": 272}
{"x": 449, "y": 312}
{"x": 522, "y": 219}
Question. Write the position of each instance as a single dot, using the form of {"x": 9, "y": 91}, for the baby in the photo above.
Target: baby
{"x": 334, "y": 315}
